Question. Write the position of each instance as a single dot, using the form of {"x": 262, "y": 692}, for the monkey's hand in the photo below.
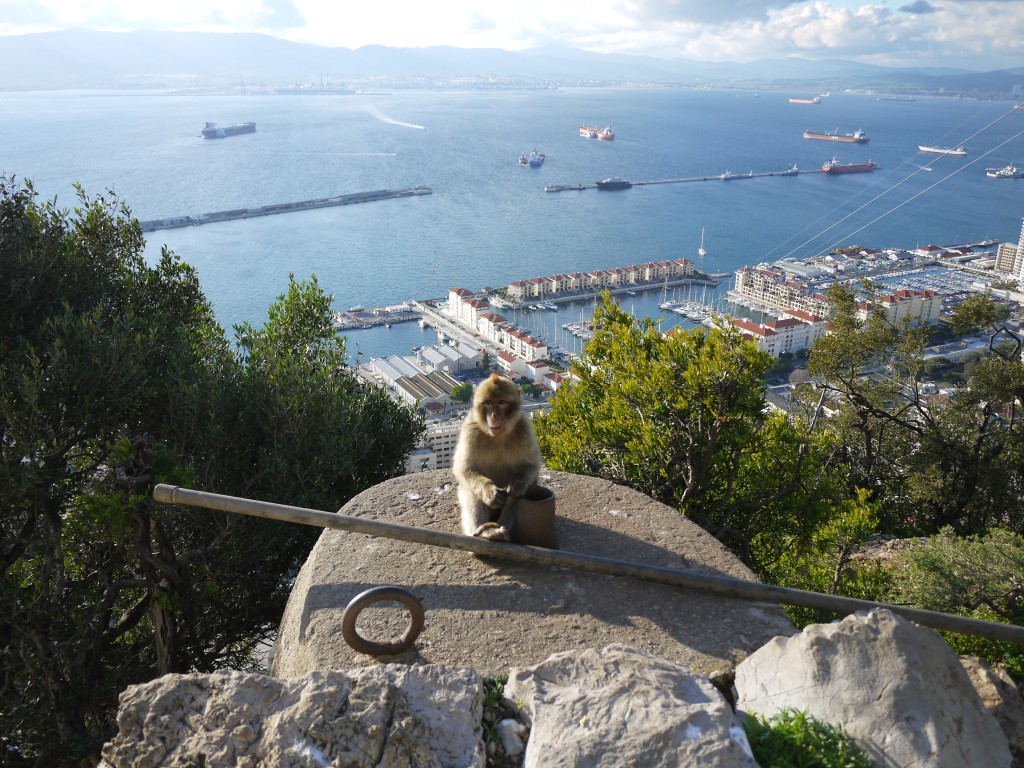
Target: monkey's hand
{"x": 496, "y": 497}
{"x": 517, "y": 488}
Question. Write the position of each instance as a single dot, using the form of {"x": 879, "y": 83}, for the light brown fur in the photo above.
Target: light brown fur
{"x": 496, "y": 460}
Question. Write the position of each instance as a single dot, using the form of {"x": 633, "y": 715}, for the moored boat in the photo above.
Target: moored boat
{"x": 211, "y": 131}
{"x": 614, "y": 182}
{"x": 857, "y": 137}
{"x": 535, "y": 159}
{"x": 833, "y": 166}
{"x": 958, "y": 150}
{"x": 1007, "y": 172}
{"x": 795, "y": 100}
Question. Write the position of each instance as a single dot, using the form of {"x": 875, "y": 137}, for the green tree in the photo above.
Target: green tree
{"x": 461, "y": 393}
{"x": 114, "y": 376}
{"x": 682, "y": 417}
{"x": 928, "y": 463}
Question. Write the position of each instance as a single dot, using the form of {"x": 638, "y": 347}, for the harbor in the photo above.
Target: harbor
{"x": 269, "y": 210}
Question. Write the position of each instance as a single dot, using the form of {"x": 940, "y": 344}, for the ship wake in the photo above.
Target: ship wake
{"x": 385, "y": 119}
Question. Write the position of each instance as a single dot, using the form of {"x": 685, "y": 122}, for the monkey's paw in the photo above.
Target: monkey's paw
{"x": 492, "y": 532}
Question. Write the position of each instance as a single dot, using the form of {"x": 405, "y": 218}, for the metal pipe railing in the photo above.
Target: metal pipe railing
{"x": 723, "y": 585}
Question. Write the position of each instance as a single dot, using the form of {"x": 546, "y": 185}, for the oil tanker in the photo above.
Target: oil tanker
{"x": 833, "y": 166}
{"x": 211, "y": 131}
{"x": 857, "y": 137}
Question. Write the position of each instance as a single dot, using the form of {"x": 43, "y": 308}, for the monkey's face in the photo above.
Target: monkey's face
{"x": 495, "y": 414}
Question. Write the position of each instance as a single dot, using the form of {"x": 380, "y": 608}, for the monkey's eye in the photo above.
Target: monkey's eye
{"x": 503, "y": 403}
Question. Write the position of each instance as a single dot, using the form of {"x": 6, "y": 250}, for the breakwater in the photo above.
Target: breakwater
{"x": 268, "y": 210}
{"x": 726, "y": 176}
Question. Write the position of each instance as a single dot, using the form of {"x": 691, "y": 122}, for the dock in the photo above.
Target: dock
{"x": 269, "y": 210}
{"x": 726, "y": 176}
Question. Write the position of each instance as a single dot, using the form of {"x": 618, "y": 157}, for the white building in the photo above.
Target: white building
{"x": 448, "y": 358}
{"x": 792, "y": 333}
{"x": 915, "y": 307}
{"x": 436, "y": 448}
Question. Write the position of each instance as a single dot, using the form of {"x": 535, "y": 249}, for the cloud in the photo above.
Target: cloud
{"x": 480, "y": 23}
{"x": 707, "y": 12}
{"x": 26, "y": 13}
{"x": 282, "y": 14}
{"x": 921, "y": 6}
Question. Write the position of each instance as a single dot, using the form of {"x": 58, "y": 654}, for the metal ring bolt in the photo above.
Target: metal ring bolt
{"x": 378, "y": 595}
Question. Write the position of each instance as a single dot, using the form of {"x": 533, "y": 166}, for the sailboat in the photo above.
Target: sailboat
{"x": 701, "y": 251}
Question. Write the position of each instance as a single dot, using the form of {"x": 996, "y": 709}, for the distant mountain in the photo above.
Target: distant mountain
{"x": 91, "y": 59}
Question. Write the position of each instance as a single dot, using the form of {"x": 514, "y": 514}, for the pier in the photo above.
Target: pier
{"x": 268, "y": 210}
{"x": 726, "y": 176}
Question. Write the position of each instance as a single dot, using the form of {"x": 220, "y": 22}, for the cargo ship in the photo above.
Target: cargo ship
{"x": 614, "y": 182}
{"x": 795, "y": 100}
{"x": 211, "y": 131}
{"x": 857, "y": 137}
{"x": 958, "y": 150}
{"x": 834, "y": 166}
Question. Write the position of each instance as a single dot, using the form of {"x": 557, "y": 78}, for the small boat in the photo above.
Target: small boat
{"x": 730, "y": 176}
{"x": 1007, "y": 172}
{"x": 958, "y": 150}
{"x": 793, "y": 170}
{"x": 357, "y": 308}
{"x": 833, "y": 166}
{"x": 857, "y": 137}
{"x": 534, "y": 160}
{"x": 795, "y": 100}
{"x": 614, "y": 182}
{"x": 700, "y": 250}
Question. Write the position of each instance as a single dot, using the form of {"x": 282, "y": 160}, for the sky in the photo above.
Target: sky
{"x": 972, "y": 34}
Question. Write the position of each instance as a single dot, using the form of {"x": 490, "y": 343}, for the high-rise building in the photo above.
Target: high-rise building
{"x": 1010, "y": 258}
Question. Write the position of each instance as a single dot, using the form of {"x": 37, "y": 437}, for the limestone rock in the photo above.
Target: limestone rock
{"x": 1001, "y": 697}
{"x": 622, "y": 706}
{"x": 491, "y": 614}
{"x": 897, "y": 689}
{"x": 403, "y": 717}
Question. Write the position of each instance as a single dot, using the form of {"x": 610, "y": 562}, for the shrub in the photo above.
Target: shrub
{"x": 792, "y": 739}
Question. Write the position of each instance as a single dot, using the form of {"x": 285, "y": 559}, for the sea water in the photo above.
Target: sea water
{"x": 489, "y": 221}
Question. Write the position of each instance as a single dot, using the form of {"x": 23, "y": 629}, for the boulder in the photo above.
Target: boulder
{"x": 622, "y": 706}
{"x": 394, "y": 716}
{"x": 1001, "y": 697}
{"x": 492, "y": 614}
{"x": 896, "y": 688}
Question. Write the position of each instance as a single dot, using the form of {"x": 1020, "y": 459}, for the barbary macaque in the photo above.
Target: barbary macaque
{"x": 496, "y": 460}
